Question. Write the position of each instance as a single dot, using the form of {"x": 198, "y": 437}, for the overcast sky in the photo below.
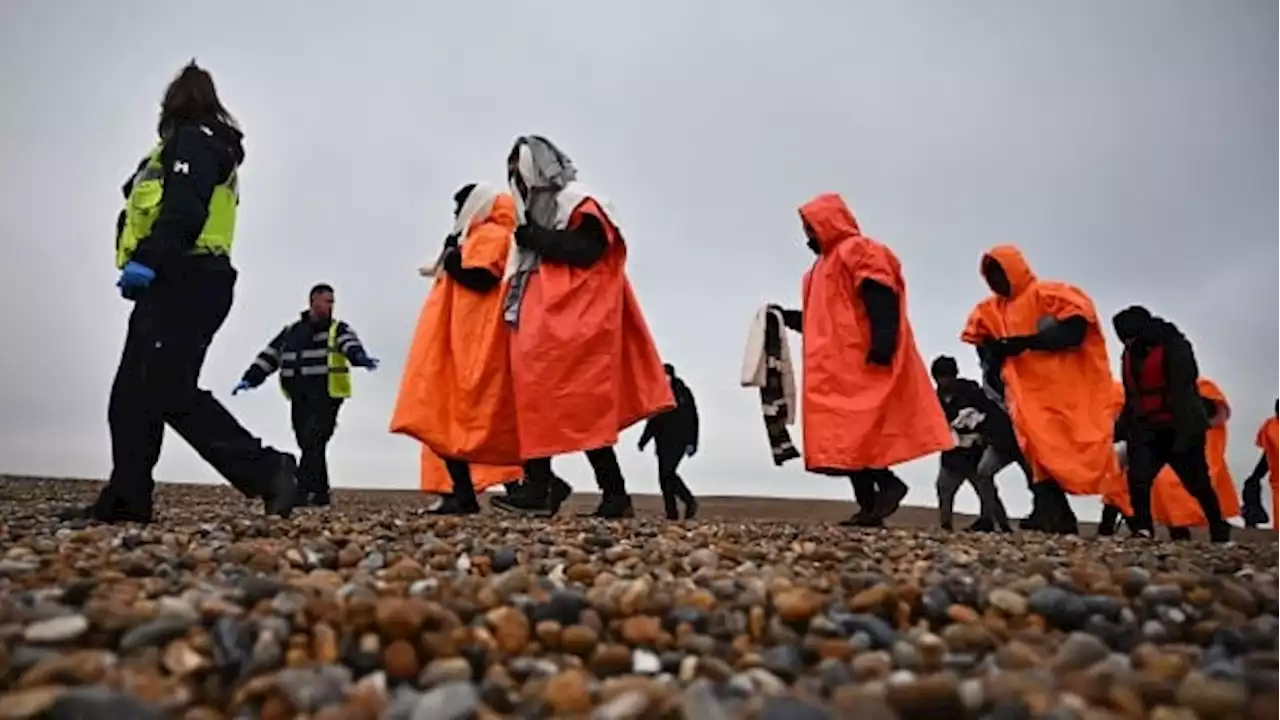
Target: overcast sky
{"x": 1127, "y": 147}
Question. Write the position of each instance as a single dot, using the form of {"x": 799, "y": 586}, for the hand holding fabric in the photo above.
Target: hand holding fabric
{"x": 367, "y": 362}
{"x": 134, "y": 279}
{"x": 527, "y": 236}
{"x": 1016, "y": 345}
{"x": 240, "y": 387}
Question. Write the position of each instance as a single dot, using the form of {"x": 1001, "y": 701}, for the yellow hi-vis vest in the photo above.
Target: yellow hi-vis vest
{"x": 146, "y": 198}
{"x": 339, "y": 368}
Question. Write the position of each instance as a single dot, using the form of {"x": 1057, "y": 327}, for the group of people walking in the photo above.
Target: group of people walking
{"x": 531, "y": 344}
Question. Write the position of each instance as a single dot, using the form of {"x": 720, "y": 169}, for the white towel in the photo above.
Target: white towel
{"x": 478, "y": 204}
{"x": 754, "y": 362}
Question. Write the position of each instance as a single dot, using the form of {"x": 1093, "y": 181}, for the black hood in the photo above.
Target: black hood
{"x": 223, "y": 134}
{"x": 230, "y": 137}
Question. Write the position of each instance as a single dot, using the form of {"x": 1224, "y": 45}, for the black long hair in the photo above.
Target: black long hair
{"x": 191, "y": 97}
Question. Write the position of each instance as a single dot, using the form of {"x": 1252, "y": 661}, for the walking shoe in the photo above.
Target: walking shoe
{"x": 527, "y": 500}
{"x": 863, "y": 519}
{"x": 1179, "y": 533}
{"x": 449, "y": 505}
{"x": 1254, "y": 516}
{"x": 981, "y": 525}
{"x": 615, "y": 507}
{"x": 314, "y": 499}
{"x": 282, "y": 492}
{"x": 690, "y": 508}
{"x": 98, "y": 512}
{"x": 889, "y": 499}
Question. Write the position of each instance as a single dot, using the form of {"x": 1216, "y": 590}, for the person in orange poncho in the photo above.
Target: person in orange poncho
{"x": 1268, "y": 440}
{"x": 583, "y": 363}
{"x": 1046, "y": 339}
{"x": 456, "y": 396}
{"x": 1171, "y": 504}
{"x": 1163, "y": 416}
{"x": 867, "y": 402}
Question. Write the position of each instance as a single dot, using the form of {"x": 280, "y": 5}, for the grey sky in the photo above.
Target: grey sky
{"x": 1129, "y": 148}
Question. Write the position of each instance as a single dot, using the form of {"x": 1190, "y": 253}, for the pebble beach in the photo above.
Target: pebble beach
{"x": 373, "y": 609}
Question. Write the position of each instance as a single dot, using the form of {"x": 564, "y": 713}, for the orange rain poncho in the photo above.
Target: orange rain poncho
{"x": 583, "y": 362}
{"x": 456, "y": 395}
{"x": 434, "y": 477}
{"x": 1269, "y": 440}
{"x": 857, "y": 415}
{"x": 1060, "y": 402}
{"x": 1171, "y": 504}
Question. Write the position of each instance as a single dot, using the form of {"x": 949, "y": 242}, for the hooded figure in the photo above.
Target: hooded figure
{"x": 583, "y": 362}
{"x": 1268, "y": 440}
{"x": 867, "y": 401}
{"x": 1163, "y": 417}
{"x": 1047, "y": 343}
{"x": 456, "y": 396}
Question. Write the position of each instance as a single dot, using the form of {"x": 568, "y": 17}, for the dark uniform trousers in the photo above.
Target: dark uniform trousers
{"x": 170, "y": 330}
{"x": 314, "y": 420}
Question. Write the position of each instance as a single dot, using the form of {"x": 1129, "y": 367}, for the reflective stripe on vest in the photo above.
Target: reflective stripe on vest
{"x": 146, "y": 196}
{"x": 1150, "y": 384}
{"x": 336, "y": 366}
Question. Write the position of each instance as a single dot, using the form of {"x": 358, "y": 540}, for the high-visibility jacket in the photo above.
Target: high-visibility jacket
{"x": 146, "y": 197}
{"x": 339, "y": 370}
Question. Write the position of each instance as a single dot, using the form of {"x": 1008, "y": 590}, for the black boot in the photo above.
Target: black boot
{"x": 282, "y": 490}
{"x": 1179, "y": 533}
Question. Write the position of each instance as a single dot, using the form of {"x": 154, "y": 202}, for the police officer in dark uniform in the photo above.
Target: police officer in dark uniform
{"x": 313, "y": 355}
{"x": 173, "y": 248}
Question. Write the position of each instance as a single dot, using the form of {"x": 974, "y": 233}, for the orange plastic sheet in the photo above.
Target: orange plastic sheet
{"x": 456, "y": 395}
{"x": 583, "y": 361}
{"x": 1061, "y": 402}
{"x": 1171, "y": 504}
{"x": 1269, "y": 440}
{"x": 858, "y": 415}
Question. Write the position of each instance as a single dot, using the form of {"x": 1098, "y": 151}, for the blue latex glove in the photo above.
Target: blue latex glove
{"x": 369, "y": 363}
{"x": 690, "y": 450}
{"x": 134, "y": 278}
{"x": 240, "y": 387}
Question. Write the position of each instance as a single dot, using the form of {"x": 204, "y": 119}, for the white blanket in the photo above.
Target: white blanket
{"x": 754, "y": 362}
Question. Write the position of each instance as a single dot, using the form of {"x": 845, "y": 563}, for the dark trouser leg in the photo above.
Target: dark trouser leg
{"x": 608, "y": 475}
{"x": 864, "y": 491}
{"x": 314, "y": 421}
{"x": 1110, "y": 519}
{"x": 669, "y": 458}
{"x": 1192, "y": 469}
{"x": 1179, "y": 533}
{"x": 464, "y": 491}
{"x": 1251, "y": 510}
{"x": 615, "y": 502}
{"x": 984, "y": 480}
{"x": 1147, "y": 455}
{"x": 949, "y": 482}
{"x": 136, "y": 422}
{"x": 169, "y": 335}
{"x": 537, "y": 478}
{"x": 890, "y": 490}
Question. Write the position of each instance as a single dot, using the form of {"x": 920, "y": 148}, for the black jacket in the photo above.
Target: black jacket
{"x": 996, "y": 429}
{"x": 1181, "y": 373}
{"x": 300, "y": 352}
{"x": 678, "y": 426}
{"x": 196, "y": 158}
